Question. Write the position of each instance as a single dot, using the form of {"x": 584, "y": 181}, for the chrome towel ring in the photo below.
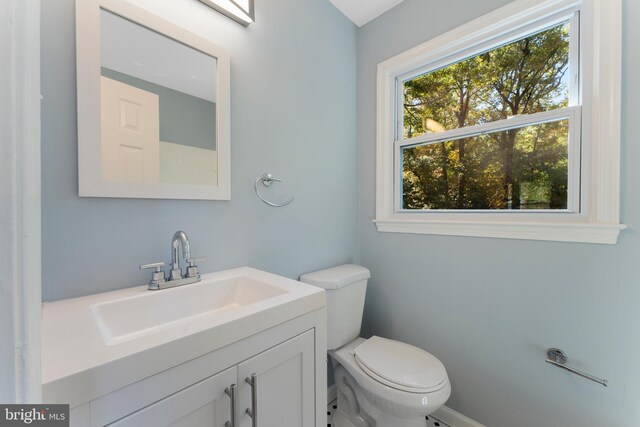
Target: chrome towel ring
{"x": 267, "y": 180}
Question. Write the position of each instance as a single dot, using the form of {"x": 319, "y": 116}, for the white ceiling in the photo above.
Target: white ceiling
{"x": 139, "y": 52}
{"x": 363, "y": 11}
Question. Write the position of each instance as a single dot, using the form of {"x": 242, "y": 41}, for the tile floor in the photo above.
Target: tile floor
{"x": 429, "y": 422}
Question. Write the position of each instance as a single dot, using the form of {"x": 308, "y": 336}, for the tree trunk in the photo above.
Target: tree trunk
{"x": 464, "y": 100}
{"x": 445, "y": 175}
{"x": 461, "y": 175}
{"x": 511, "y": 187}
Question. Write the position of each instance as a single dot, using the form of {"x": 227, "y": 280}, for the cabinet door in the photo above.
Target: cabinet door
{"x": 204, "y": 404}
{"x": 284, "y": 385}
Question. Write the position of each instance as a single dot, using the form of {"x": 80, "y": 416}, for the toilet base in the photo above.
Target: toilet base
{"x": 356, "y": 410}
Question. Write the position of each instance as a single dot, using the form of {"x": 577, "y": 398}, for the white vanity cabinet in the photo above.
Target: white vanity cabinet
{"x": 135, "y": 358}
{"x": 286, "y": 387}
{"x": 204, "y": 404}
{"x": 282, "y": 393}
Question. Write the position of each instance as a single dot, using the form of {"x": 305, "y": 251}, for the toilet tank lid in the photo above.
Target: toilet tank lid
{"x": 336, "y": 277}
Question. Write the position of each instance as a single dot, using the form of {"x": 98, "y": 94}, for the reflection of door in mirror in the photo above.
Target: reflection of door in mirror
{"x": 158, "y": 107}
{"x": 130, "y": 137}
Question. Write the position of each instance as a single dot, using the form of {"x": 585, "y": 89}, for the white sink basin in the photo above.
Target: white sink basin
{"x": 91, "y": 343}
{"x": 211, "y": 299}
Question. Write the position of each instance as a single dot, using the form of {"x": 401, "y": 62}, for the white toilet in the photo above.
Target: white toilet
{"x": 380, "y": 382}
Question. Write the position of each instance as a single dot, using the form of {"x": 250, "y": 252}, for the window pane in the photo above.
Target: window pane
{"x": 524, "y": 77}
{"x": 525, "y": 168}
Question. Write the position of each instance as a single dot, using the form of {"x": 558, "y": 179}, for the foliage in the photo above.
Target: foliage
{"x": 525, "y": 168}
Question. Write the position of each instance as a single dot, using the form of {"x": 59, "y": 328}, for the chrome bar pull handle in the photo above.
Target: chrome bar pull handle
{"x": 558, "y": 358}
{"x": 232, "y": 392}
{"x": 253, "y": 411}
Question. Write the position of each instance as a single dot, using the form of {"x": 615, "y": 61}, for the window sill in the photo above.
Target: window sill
{"x": 579, "y": 232}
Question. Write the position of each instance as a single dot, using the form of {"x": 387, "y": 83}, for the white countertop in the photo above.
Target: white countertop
{"x": 78, "y": 366}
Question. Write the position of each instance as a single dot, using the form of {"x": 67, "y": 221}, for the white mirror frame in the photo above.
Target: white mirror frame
{"x": 90, "y": 181}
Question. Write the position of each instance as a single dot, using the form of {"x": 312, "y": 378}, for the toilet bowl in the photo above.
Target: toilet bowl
{"x": 380, "y": 382}
{"x": 394, "y": 384}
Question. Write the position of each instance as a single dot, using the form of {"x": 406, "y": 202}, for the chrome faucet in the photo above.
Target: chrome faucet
{"x": 179, "y": 239}
{"x": 158, "y": 280}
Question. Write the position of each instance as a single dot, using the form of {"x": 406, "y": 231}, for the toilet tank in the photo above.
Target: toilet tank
{"x": 346, "y": 286}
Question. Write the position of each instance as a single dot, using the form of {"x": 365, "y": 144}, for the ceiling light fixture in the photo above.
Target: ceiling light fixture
{"x": 240, "y": 11}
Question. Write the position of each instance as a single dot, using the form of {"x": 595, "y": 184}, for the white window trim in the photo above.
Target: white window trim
{"x": 600, "y": 57}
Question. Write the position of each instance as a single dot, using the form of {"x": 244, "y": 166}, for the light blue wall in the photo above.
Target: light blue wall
{"x": 489, "y": 308}
{"x": 293, "y": 76}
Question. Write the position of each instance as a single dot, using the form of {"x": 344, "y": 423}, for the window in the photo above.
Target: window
{"x": 460, "y": 148}
{"x": 494, "y": 130}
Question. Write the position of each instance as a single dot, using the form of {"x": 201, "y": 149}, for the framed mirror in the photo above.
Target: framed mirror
{"x": 153, "y": 106}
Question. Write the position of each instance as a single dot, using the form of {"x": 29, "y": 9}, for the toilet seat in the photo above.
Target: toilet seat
{"x": 400, "y": 366}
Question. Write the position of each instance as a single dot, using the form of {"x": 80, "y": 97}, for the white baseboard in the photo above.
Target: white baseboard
{"x": 455, "y": 419}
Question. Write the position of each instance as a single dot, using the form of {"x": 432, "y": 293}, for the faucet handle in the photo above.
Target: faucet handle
{"x": 192, "y": 268}
{"x": 156, "y": 265}
{"x": 157, "y": 278}
{"x": 192, "y": 261}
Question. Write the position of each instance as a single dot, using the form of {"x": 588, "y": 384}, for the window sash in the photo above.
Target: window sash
{"x": 518, "y": 121}
{"x": 572, "y": 15}
{"x": 571, "y": 114}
